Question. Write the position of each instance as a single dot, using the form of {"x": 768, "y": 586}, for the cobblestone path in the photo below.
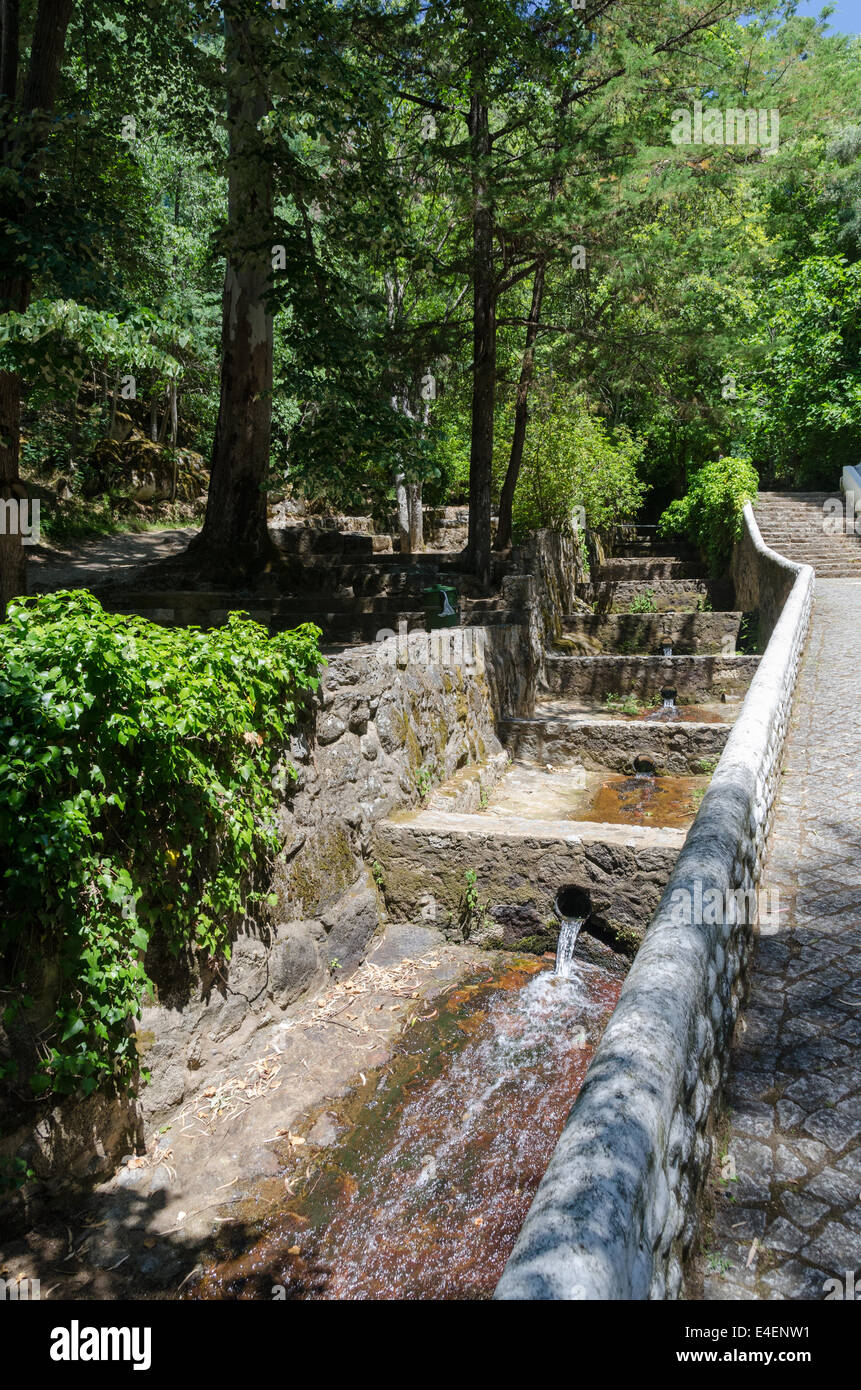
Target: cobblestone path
{"x": 794, "y": 1090}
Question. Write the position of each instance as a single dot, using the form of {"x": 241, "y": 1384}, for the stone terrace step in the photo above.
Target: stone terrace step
{"x": 313, "y": 541}
{"x": 674, "y": 750}
{"x": 646, "y": 568}
{"x": 692, "y": 677}
{"x": 521, "y": 864}
{"x": 389, "y": 574}
{"x": 341, "y": 620}
{"x": 650, "y": 550}
{"x": 669, "y": 595}
{"x": 586, "y": 634}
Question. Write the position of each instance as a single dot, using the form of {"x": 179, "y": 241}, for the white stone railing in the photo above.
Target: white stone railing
{"x": 616, "y": 1213}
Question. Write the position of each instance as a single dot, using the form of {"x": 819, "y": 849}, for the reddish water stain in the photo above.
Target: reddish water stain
{"x": 680, "y": 714}
{"x": 662, "y": 801}
{"x": 425, "y": 1195}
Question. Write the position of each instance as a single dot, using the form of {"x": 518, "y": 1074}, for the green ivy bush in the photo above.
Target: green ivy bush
{"x": 709, "y": 515}
{"x": 137, "y": 809}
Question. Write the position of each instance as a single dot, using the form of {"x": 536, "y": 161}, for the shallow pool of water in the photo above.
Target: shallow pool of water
{"x": 573, "y": 793}
{"x": 426, "y": 1191}
{"x": 661, "y": 801}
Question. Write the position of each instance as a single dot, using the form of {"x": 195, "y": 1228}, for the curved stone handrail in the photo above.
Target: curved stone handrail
{"x": 616, "y": 1212}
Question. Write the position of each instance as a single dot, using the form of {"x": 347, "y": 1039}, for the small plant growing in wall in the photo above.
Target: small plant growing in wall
{"x": 749, "y": 641}
{"x": 470, "y": 897}
{"x": 473, "y": 913}
{"x": 584, "y": 555}
{"x": 643, "y": 603}
{"x": 705, "y": 766}
{"x": 377, "y": 874}
{"x": 424, "y": 779}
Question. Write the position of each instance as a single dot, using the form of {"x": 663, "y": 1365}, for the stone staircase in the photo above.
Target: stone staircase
{"x": 578, "y": 809}
{"x": 797, "y": 525}
{"x": 338, "y": 580}
{"x": 666, "y": 576}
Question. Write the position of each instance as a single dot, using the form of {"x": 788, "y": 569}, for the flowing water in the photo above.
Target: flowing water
{"x": 568, "y": 934}
{"x": 424, "y": 1195}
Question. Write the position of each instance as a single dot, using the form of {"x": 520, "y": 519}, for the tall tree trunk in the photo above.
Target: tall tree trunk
{"x": 73, "y": 431}
{"x": 402, "y": 498}
{"x": 165, "y": 418}
{"x": 521, "y": 412}
{"x": 527, "y": 367}
{"x": 234, "y": 531}
{"x": 174, "y": 413}
{"x": 114, "y": 397}
{"x": 484, "y": 345}
{"x": 9, "y": 27}
{"x": 23, "y": 146}
{"x": 414, "y": 497}
{"x": 174, "y": 432}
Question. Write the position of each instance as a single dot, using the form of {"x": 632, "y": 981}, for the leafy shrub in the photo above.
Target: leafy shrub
{"x": 136, "y": 805}
{"x": 801, "y": 412}
{"x": 572, "y": 460}
{"x": 643, "y": 603}
{"x": 710, "y": 512}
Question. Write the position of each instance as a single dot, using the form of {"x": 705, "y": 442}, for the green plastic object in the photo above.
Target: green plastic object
{"x": 441, "y": 606}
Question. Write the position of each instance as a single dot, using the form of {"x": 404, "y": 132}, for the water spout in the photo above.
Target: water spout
{"x": 668, "y": 651}
{"x": 568, "y": 934}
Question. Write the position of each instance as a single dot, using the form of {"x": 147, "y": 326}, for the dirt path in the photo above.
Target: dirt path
{"x": 100, "y": 561}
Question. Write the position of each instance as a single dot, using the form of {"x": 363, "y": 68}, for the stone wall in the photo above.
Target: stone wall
{"x": 424, "y": 860}
{"x": 615, "y": 1215}
{"x": 392, "y": 720}
{"x": 687, "y": 633}
{"x": 694, "y": 678}
{"x": 674, "y": 750}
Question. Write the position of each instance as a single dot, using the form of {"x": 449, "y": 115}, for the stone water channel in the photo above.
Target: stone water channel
{"x": 559, "y": 858}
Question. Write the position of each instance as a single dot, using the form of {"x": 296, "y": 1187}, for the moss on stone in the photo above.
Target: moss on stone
{"x": 144, "y": 1041}
{"x": 538, "y": 943}
{"x": 323, "y": 871}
